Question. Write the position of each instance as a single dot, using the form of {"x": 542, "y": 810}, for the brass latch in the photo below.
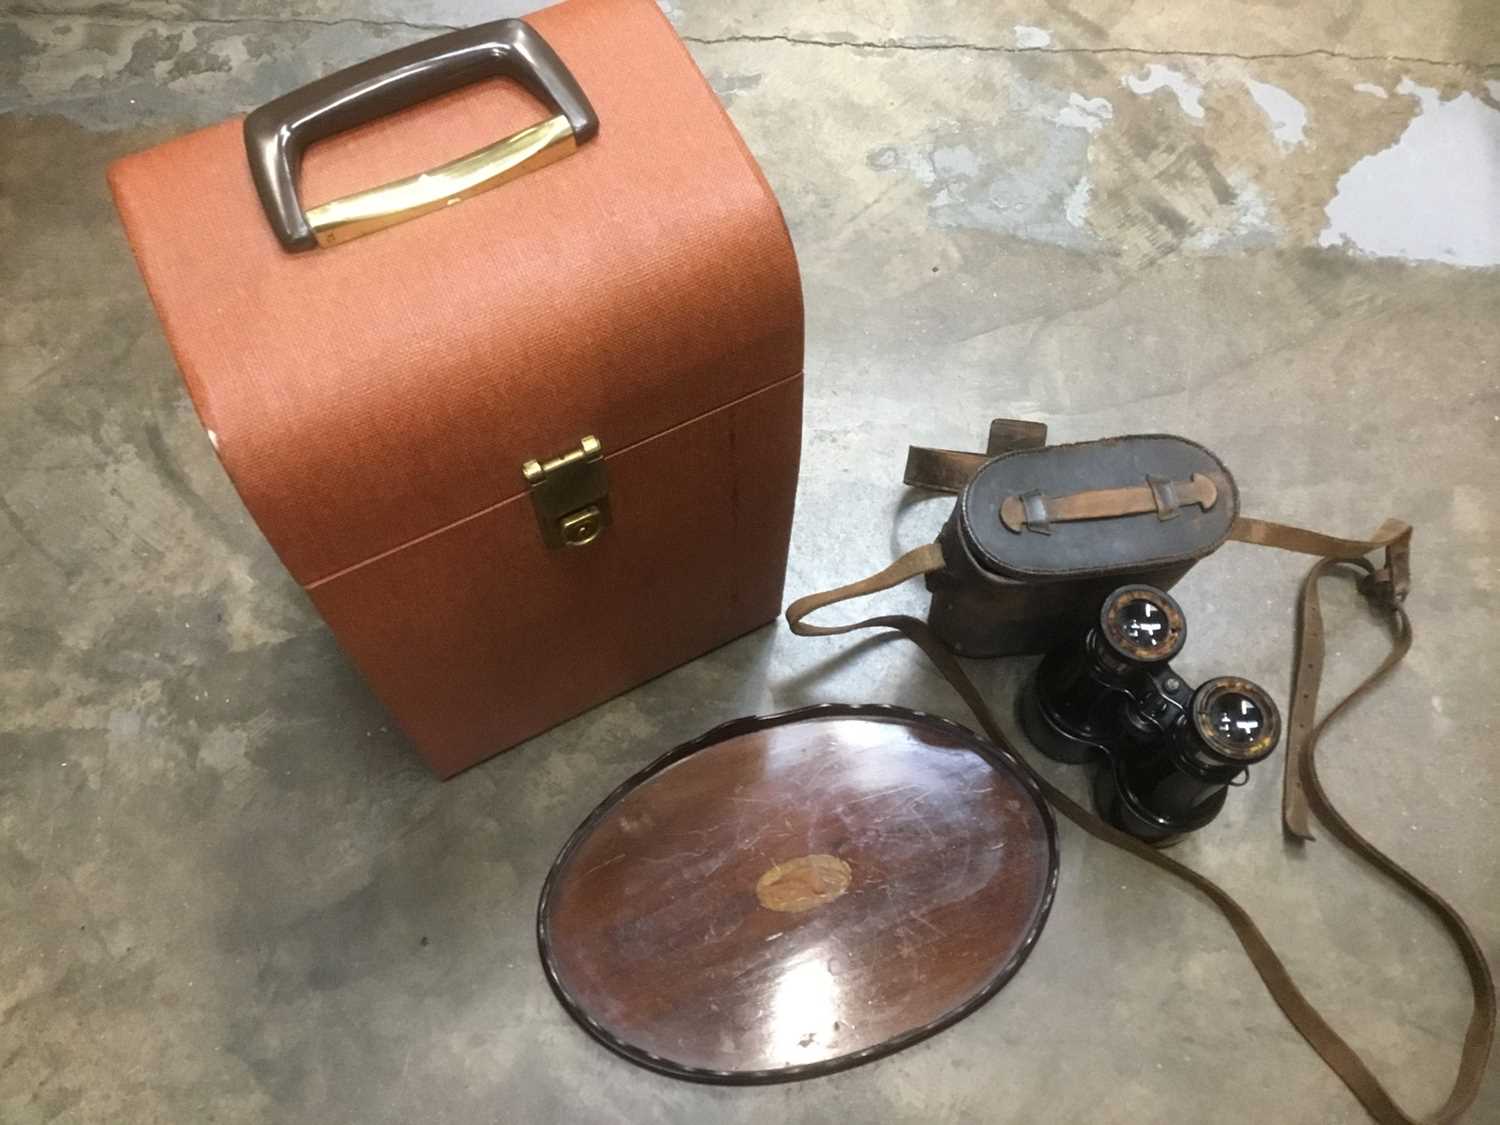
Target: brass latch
{"x": 570, "y": 494}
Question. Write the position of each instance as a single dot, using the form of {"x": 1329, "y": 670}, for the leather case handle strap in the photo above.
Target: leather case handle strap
{"x": 278, "y": 133}
{"x": 1032, "y": 511}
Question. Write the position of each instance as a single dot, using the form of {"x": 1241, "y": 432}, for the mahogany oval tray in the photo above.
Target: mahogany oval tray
{"x": 793, "y": 895}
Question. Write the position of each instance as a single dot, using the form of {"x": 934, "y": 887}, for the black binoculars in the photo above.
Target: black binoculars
{"x": 1166, "y": 753}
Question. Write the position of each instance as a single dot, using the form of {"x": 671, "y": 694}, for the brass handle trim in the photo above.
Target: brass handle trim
{"x": 364, "y": 212}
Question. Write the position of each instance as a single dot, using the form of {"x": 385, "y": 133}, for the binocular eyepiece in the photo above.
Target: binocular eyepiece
{"x": 1166, "y": 752}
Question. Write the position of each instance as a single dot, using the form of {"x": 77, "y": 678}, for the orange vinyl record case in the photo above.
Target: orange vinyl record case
{"x": 524, "y": 452}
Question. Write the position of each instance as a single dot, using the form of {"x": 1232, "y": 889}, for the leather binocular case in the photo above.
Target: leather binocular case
{"x": 1039, "y": 536}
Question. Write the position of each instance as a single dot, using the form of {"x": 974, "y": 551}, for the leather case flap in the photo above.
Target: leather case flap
{"x": 1094, "y": 508}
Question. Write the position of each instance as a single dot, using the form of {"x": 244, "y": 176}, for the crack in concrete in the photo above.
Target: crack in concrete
{"x": 1001, "y": 49}
{"x": 116, "y": 15}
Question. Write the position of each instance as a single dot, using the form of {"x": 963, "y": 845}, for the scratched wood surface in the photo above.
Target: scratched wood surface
{"x": 798, "y": 898}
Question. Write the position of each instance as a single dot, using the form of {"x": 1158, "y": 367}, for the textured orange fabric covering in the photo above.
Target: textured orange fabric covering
{"x": 374, "y": 402}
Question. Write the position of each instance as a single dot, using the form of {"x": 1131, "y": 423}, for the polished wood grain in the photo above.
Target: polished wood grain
{"x": 792, "y": 895}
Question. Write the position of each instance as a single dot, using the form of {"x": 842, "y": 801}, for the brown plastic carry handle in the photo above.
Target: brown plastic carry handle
{"x": 278, "y": 133}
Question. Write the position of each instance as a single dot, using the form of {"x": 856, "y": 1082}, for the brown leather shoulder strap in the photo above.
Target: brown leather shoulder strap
{"x": 1386, "y": 586}
{"x": 924, "y": 560}
{"x": 941, "y": 470}
{"x": 1394, "y": 536}
{"x": 948, "y": 470}
{"x": 1340, "y": 1057}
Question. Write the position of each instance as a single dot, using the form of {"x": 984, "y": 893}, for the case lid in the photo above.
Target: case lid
{"x": 1096, "y": 508}
{"x": 367, "y": 394}
{"x": 793, "y": 895}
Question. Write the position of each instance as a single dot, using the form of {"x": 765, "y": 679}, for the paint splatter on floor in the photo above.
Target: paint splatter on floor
{"x": 1432, "y": 196}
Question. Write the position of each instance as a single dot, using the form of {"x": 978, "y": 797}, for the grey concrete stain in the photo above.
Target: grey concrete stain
{"x": 1072, "y": 167}
{"x": 1034, "y": 188}
{"x": 731, "y": 86}
{"x": 1169, "y": 164}
{"x": 1034, "y": 37}
{"x": 110, "y": 74}
{"x": 1026, "y": 199}
{"x": 229, "y": 890}
{"x": 1434, "y": 195}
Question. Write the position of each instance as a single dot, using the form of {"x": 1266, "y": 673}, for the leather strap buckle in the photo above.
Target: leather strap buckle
{"x": 1034, "y": 505}
{"x": 1164, "y": 496}
{"x": 1387, "y": 586}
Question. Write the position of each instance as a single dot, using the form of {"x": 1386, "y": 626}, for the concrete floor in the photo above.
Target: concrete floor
{"x": 229, "y": 892}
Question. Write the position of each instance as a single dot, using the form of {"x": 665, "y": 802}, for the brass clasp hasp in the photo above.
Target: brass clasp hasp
{"x": 570, "y": 493}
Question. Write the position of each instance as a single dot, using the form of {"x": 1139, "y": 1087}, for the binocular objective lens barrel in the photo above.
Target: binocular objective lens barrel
{"x": 1142, "y": 624}
{"x": 1235, "y": 721}
{"x": 1237, "y": 718}
{"x": 1166, "y": 754}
